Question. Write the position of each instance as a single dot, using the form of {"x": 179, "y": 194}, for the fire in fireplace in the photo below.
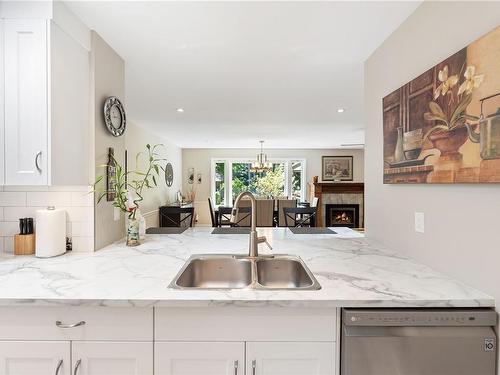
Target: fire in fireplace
{"x": 342, "y": 215}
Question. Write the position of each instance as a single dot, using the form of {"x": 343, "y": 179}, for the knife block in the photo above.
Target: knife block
{"x": 24, "y": 244}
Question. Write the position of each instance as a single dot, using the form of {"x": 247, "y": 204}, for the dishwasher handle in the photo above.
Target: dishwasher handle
{"x": 415, "y": 331}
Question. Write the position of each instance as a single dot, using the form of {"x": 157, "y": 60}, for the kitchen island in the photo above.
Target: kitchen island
{"x": 112, "y": 311}
{"x": 352, "y": 271}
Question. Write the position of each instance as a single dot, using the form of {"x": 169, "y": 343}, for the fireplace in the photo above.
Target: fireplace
{"x": 342, "y": 215}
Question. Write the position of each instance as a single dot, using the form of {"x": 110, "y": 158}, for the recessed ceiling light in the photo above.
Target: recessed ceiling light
{"x": 180, "y": 110}
{"x": 340, "y": 110}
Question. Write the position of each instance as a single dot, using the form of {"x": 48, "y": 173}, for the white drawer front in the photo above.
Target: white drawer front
{"x": 101, "y": 323}
{"x": 245, "y": 324}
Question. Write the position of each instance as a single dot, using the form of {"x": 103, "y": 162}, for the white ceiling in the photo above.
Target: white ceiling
{"x": 245, "y": 71}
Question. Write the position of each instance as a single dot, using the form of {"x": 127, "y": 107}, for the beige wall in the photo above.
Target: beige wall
{"x": 200, "y": 160}
{"x": 107, "y": 79}
{"x": 461, "y": 221}
{"x": 136, "y": 139}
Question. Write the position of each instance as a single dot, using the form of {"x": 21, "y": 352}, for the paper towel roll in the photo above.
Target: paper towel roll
{"x": 50, "y": 232}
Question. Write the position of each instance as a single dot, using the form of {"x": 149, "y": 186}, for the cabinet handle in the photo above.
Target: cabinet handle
{"x": 78, "y": 363}
{"x": 62, "y": 325}
{"x": 235, "y": 367}
{"x": 59, "y": 364}
{"x": 38, "y": 155}
{"x": 254, "y": 367}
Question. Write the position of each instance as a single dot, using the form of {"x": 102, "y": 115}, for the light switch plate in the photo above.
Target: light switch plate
{"x": 419, "y": 222}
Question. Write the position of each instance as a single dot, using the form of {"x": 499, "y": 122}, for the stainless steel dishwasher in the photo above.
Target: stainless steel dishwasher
{"x": 418, "y": 342}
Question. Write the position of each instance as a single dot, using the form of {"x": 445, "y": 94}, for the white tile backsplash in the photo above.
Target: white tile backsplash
{"x": 49, "y": 198}
{"x": 83, "y": 244}
{"x": 8, "y": 245}
{"x": 12, "y": 199}
{"x": 15, "y": 213}
{"x": 9, "y": 228}
{"x": 79, "y": 229}
{"x": 23, "y": 201}
{"x": 79, "y": 213}
{"x": 82, "y": 199}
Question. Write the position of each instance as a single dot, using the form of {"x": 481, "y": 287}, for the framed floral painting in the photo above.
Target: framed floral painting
{"x": 444, "y": 125}
{"x": 337, "y": 168}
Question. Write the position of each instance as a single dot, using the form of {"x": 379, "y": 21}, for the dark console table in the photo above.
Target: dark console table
{"x": 176, "y": 215}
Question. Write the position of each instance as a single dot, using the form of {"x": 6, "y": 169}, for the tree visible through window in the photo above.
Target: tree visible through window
{"x": 219, "y": 183}
{"x": 266, "y": 184}
{"x": 285, "y": 179}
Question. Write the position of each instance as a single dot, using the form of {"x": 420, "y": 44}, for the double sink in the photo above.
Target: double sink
{"x": 264, "y": 272}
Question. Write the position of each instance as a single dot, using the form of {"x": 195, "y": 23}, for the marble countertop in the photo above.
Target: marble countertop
{"x": 352, "y": 270}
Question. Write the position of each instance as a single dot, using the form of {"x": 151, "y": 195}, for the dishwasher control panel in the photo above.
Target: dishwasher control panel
{"x": 419, "y": 317}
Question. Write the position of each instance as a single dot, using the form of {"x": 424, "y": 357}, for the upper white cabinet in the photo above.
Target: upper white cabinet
{"x": 45, "y": 105}
{"x": 26, "y": 110}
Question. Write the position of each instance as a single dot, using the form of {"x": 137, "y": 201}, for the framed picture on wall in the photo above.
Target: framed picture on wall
{"x": 337, "y": 168}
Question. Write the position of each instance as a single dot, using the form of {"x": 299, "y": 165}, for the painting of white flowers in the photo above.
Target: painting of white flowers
{"x": 444, "y": 125}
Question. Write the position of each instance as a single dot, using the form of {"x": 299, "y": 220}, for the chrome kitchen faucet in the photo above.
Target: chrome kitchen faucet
{"x": 255, "y": 240}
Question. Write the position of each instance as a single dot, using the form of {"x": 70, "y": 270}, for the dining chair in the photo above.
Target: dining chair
{"x": 244, "y": 213}
{"x": 212, "y": 213}
{"x": 176, "y": 216}
{"x": 282, "y": 203}
{"x": 299, "y": 216}
{"x": 265, "y": 212}
{"x": 245, "y": 210}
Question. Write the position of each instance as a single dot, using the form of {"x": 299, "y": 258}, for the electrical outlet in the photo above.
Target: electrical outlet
{"x": 419, "y": 222}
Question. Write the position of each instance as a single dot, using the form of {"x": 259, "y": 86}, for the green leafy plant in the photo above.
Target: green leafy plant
{"x": 133, "y": 182}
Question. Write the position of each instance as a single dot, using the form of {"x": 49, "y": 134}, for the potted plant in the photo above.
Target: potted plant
{"x": 450, "y": 131}
{"x": 129, "y": 187}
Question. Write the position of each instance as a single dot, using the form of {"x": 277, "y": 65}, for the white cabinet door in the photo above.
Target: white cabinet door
{"x": 26, "y": 107}
{"x": 112, "y": 358}
{"x": 35, "y": 357}
{"x": 290, "y": 358}
{"x": 199, "y": 358}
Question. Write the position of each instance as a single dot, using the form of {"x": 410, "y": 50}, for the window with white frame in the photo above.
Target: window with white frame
{"x": 232, "y": 176}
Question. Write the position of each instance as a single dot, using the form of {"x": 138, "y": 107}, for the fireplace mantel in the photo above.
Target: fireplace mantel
{"x": 339, "y": 187}
{"x": 316, "y": 189}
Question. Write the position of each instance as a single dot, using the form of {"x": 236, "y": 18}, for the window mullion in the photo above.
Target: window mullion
{"x": 228, "y": 176}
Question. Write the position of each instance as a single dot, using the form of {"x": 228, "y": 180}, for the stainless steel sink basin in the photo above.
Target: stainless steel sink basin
{"x": 216, "y": 272}
{"x": 221, "y": 271}
{"x": 283, "y": 273}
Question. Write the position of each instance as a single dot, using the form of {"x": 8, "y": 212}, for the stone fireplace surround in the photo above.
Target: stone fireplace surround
{"x": 338, "y": 193}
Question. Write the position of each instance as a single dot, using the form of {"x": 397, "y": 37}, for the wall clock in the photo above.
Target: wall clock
{"x": 169, "y": 175}
{"x": 114, "y": 116}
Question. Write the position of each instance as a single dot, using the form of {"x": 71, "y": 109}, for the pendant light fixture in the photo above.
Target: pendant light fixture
{"x": 261, "y": 164}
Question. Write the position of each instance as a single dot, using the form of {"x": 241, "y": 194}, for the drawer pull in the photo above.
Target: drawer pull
{"x": 78, "y": 363}
{"x": 254, "y": 367}
{"x": 235, "y": 367}
{"x": 62, "y": 325}
{"x": 59, "y": 365}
